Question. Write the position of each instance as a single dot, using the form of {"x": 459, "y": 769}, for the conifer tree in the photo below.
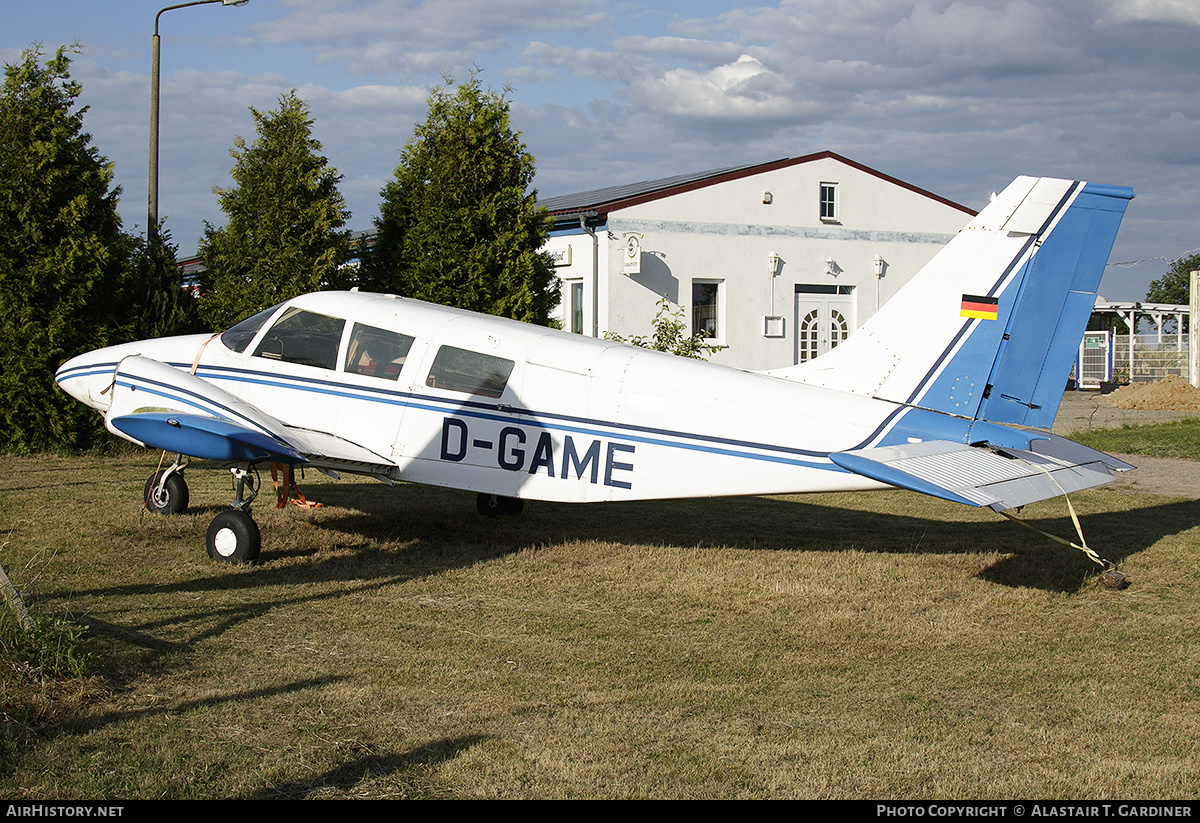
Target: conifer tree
{"x": 459, "y": 224}
{"x": 284, "y": 234}
{"x": 159, "y": 305}
{"x": 62, "y": 253}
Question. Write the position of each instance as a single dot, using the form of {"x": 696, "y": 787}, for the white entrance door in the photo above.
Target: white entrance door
{"x": 824, "y": 318}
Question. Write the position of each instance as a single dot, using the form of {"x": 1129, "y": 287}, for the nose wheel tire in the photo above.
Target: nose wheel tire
{"x": 172, "y": 498}
{"x": 233, "y": 537}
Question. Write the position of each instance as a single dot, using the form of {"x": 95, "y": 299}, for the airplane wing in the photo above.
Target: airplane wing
{"x": 208, "y": 438}
{"x": 157, "y": 405}
{"x": 998, "y": 477}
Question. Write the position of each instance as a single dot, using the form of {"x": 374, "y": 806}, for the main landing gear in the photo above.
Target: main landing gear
{"x": 493, "y": 505}
{"x": 166, "y": 491}
{"x": 233, "y": 536}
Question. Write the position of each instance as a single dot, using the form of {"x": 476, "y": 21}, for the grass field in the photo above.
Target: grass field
{"x": 1178, "y": 440}
{"x": 394, "y": 644}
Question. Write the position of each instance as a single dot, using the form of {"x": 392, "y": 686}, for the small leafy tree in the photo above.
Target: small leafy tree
{"x": 459, "y": 224}
{"x": 670, "y": 328}
{"x": 62, "y": 253}
{"x": 284, "y": 234}
{"x": 1175, "y": 286}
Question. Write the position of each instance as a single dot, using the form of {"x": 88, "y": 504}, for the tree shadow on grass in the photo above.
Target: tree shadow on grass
{"x": 410, "y": 768}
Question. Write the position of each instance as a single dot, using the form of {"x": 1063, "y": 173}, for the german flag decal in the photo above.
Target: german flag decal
{"x": 984, "y": 308}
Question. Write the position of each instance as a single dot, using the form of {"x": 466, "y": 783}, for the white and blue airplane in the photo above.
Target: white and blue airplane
{"x": 943, "y": 391}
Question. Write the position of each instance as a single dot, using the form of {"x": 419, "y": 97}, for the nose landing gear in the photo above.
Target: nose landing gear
{"x": 233, "y": 536}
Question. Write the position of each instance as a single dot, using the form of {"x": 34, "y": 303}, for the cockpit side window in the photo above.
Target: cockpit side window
{"x": 238, "y": 336}
{"x": 376, "y": 352}
{"x": 467, "y": 371}
{"x": 303, "y": 337}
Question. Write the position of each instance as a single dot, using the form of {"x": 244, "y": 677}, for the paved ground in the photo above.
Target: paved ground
{"x": 1083, "y": 410}
{"x": 1153, "y": 475}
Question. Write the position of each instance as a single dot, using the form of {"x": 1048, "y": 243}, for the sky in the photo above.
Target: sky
{"x": 955, "y": 97}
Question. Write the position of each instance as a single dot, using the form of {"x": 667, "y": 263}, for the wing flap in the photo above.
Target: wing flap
{"x": 328, "y": 451}
{"x": 1000, "y": 478}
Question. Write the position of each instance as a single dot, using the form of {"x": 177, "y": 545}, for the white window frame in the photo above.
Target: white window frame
{"x": 569, "y": 304}
{"x": 834, "y": 206}
{"x": 722, "y": 297}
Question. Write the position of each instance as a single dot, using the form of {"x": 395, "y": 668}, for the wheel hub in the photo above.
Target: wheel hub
{"x": 225, "y": 542}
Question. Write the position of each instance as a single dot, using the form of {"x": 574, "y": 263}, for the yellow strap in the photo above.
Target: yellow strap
{"x": 1095, "y": 558}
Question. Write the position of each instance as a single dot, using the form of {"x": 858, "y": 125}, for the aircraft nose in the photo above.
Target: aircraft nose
{"x": 84, "y": 379}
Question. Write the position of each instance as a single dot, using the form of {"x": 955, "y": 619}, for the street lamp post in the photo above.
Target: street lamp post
{"x": 152, "y": 210}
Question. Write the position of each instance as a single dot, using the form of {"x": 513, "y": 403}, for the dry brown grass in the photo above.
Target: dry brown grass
{"x": 395, "y": 644}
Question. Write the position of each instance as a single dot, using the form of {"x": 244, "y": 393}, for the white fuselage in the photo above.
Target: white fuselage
{"x": 577, "y": 419}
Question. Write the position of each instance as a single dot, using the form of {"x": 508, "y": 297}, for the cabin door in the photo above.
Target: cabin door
{"x": 824, "y": 318}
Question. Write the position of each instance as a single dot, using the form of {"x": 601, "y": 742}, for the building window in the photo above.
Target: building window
{"x": 576, "y": 306}
{"x": 829, "y": 204}
{"x": 707, "y": 305}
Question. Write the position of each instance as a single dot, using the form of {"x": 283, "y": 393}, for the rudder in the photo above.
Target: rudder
{"x": 1056, "y": 298}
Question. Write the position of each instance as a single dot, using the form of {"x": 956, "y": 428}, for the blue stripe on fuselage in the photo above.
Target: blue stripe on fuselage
{"x": 711, "y": 444}
{"x": 532, "y": 419}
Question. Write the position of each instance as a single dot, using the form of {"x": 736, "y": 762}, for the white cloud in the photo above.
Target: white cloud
{"x": 1184, "y": 12}
{"x": 743, "y": 89}
{"x": 417, "y": 37}
{"x": 1013, "y": 37}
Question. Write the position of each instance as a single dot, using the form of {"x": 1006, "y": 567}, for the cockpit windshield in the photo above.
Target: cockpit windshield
{"x": 238, "y": 336}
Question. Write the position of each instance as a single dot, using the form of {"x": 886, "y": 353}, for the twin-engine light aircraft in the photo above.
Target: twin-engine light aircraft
{"x": 924, "y": 396}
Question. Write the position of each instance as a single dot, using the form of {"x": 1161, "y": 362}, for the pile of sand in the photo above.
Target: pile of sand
{"x": 1172, "y": 393}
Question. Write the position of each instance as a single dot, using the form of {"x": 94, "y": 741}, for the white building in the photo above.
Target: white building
{"x": 774, "y": 262}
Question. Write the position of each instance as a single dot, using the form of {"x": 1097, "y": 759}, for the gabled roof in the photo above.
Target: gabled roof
{"x": 603, "y": 201}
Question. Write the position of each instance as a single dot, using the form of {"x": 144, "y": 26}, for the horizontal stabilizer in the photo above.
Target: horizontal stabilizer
{"x": 208, "y": 438}
{"x": 1001, "y": 478}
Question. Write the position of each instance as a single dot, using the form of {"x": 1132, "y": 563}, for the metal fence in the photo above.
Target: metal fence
{"x": 1105, "y": 357}
{"x": 1154, "y": 357}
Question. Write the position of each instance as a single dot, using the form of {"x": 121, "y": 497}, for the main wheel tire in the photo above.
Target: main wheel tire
{"x": 233, "y": 537}
{"x": 494, "y": 505}
{"x": 489, "y": 505}
{"x": 174, "y": 496}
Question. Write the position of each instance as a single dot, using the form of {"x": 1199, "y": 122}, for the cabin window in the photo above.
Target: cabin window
{"x": 829, "y": 202}
{"x": 707, "y": 306}
{"x": 471, "y": 372}
{"x": 376, "y": 352}
{"x": 239, "y": 335}
{"x": 303, "y": 337}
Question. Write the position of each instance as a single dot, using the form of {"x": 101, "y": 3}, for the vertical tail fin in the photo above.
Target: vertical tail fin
{"x": 989, "y": 328}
